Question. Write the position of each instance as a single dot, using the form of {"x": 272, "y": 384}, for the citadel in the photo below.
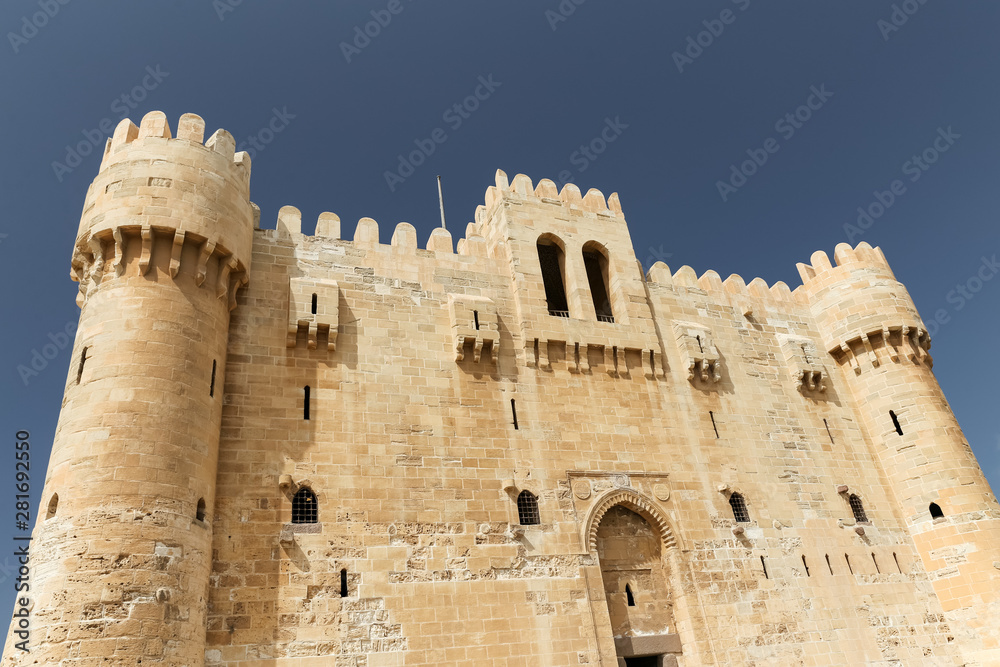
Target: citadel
{"x": 278, "y": 449}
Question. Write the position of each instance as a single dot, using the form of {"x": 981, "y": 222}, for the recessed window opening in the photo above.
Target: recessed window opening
{"x": 897, "y": 562}
{"x": 83, "y": 360}
{"x": 764, "y": 566}
{"x": 714, "y": 427}
{"x": 828, "y": 563}
{"x": 53, "y": 506}
{"x": 596, "y": 264}
{"x": 343, "y": 583}
{"x": 304, "y": 506}
{"x": 211, "y": 386}
{"x": 475, "y": 317}
{"x": 527, "y": 509}
{"x": 739, "y": 506}
{"x": 806, "y": 566}
{"x": 315, "y": 302}
{"x": 628, "y": 596}
{"x": 935, "y": 510}
{"x": 858, "y": 508}
{"x": 874, "y": 560}
{"x": 552, "y": 262}
{"x": 895, "y": 422}
{"x": 848, "y": 559}
{"x": 305, "y": 404}
{"x": 513, "y": 412}
{"x": 828, "y": 432}
{"x": 200, "y": 512}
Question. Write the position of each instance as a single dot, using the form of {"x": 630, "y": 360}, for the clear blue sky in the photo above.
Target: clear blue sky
{"x": 680, "y": 122}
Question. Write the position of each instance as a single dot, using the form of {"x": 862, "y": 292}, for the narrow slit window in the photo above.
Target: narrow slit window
{"x": 849, "y": 568}
{"x": 513, "y": 412}
{"x": 828, "y": 432}
{"x": 739, "y": 505}
{"x": 895, "y": 422}
{"x": 936, "y": 512}
{"x": 305, "y": 404}
{"x": 714, "y": 427}
{"x": 83, "y": 360}
{"x": 475, "y": 318}
{"x": 211, "y": 386}
{"x": 806, "y": 566}
{"x": 858, "y": 508}
{"x": 304, "y": 506}
{"x": 527, "y": 509}
{"x": 551, "y": 259}
{"x": 53, "y": 506}
{"x": 874, "y": 560}
{"x": 700, "y": 348}
{"x": 596, "y": 265}
{"x": 315, "y": 303}
{"x": 628, "y": 596}
{"x": 763, "y": 565}
{"x": 828, "y": 565}
{"x": 200, "y": 512}
{"x": 343, "y": 583}
{"x": 897, "y": 562}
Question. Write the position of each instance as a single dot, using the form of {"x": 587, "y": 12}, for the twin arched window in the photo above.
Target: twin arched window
{"x": 552, "y": 261}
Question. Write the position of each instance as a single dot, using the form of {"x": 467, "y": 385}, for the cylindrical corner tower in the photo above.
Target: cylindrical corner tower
{"x": 872, "y": 329}
{"x": 122, "y": 548}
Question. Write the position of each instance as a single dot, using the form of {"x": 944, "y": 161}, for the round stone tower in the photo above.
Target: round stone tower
{"x": 871, "y": 328}
{"x": 122, "y": 548}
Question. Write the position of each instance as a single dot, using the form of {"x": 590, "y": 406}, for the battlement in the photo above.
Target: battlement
{"x": 154, "y": 128}
{"x": 819, "y": 271}
{"x": 546, "y": 192}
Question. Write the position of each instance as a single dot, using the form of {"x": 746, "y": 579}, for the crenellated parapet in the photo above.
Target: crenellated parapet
{"x": 179, "y": 197}
{"x": 865, "y": 316}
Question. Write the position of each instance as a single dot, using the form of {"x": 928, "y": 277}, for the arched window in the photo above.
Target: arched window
{"x": 739, "y": 506}
{"x": 596, "y": 263}
{"x": 53, "y": 506}
{"x": 858, "y": 508}
{"x": 552, "y": 261}
{"x": 936, "y": 512}
{"x": 200, "y": 513}
{"x": 527, "y": 509}
{"x": 304, "y": 508}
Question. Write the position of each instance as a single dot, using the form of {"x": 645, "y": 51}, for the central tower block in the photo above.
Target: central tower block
{"x": 122, "y": 550}
{"x": 871, "y": 327}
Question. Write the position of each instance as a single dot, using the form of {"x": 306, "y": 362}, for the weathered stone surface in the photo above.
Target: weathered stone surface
{"x": 208, "y": 388}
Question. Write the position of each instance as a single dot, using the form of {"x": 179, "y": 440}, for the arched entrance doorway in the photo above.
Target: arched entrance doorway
{"x": 636, "y": 588}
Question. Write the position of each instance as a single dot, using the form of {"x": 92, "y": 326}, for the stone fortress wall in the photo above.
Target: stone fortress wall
{"x": 418, "y": 392}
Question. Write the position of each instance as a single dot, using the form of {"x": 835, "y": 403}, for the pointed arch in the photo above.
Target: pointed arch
{"x": 634, "y": 501}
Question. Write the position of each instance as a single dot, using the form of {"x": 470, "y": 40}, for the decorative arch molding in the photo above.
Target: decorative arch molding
{"x": 632, "y": 500}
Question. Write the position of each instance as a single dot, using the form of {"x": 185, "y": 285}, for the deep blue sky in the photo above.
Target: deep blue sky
{"x": 557, "y": 88}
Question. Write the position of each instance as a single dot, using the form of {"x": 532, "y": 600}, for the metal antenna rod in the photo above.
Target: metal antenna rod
{"x": 441, "y": 200}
